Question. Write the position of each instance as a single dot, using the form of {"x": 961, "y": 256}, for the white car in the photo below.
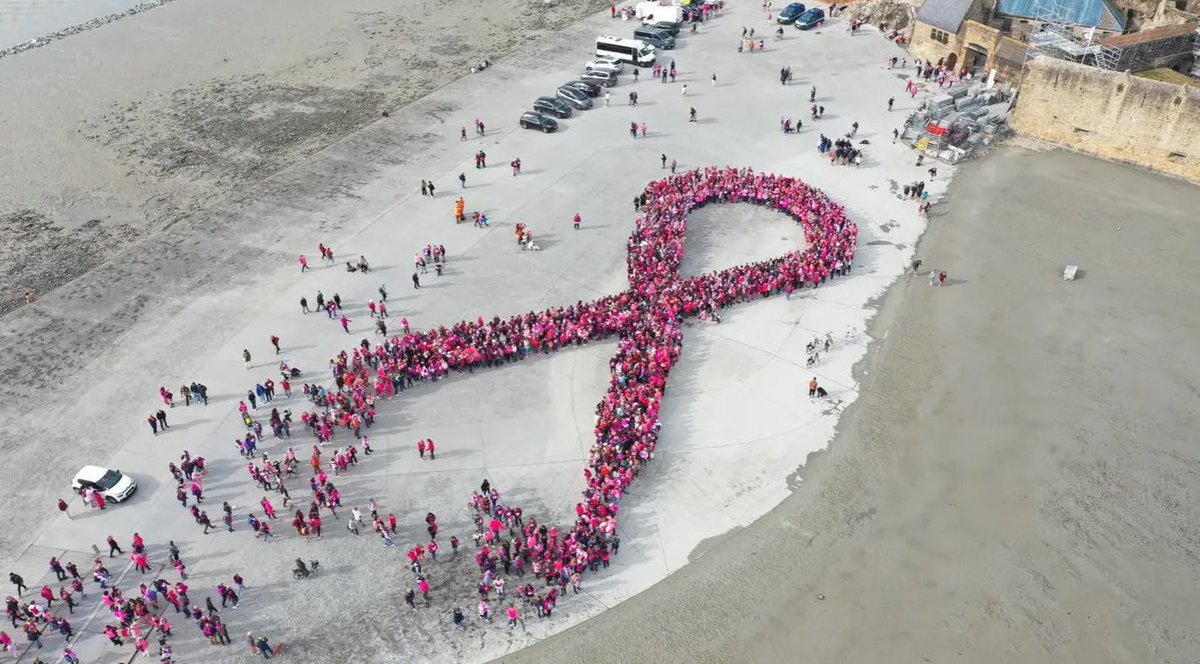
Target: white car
{"x": 605, "y": 64}
{"x": 111, "y": 484}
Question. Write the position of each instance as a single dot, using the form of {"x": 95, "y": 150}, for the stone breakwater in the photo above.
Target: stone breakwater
{"x": 80, "y": 27}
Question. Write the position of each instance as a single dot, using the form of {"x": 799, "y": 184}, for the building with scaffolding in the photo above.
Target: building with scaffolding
{"x": 967, "y": 34}
{"x": 1165, "y": 47}
{"x": 1061, "y": 35}
{"x": 1085, "y": 83}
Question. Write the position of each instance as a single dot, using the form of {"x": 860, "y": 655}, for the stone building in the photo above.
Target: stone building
{"x": 981, "y": 37}
{"x": 958, "y": 33}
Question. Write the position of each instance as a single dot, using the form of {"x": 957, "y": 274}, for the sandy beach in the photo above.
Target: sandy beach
{"x": 182, "y": 301}
{"x": 1009, "y": 477}
{"x": 116, "y": 133}
{"x": 1013, "y": 484}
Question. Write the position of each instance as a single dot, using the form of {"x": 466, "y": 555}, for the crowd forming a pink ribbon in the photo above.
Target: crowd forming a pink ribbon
{"x": 648, "y": 319}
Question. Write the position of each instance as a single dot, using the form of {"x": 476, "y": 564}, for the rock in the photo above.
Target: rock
{"x": 896, "y": 14}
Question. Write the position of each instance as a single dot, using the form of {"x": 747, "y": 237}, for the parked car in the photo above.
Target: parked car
{"x": 613, "y": 63}
{"x": 665, "y": 26}
{"x": 601, "y": 66}
{"x": 535, "y": 120}
{"x": 592, "y": 89}
{"x": 790, "y": 13}
{"x": 111, "y": 484}
{"x": 659, "y": 40}
{"x": 574, "y": 97}
{"x": 810, "y": 19}
{"x": 607, "y": 79}
{"x": 552, "y": 106}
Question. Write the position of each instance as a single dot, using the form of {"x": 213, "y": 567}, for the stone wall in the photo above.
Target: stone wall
{"x": 1112, "y": 115}
{"x": 923, "y": 47}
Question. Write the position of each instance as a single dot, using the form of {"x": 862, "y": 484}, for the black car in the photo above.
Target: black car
{"x": 535, "y": 120}
{"x": 667, "y": 27}
{"x": 552, "y": 106}
{"x": 790, "y": 13}
{"x": 810, "y": 19}
{"x": 590, "y": 88}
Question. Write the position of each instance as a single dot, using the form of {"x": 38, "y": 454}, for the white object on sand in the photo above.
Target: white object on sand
{"x": 1069, "y": 272}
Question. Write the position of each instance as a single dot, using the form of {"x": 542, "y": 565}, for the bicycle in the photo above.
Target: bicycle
{"x": 820, "y": 344}
{"x": 812, "y": 360}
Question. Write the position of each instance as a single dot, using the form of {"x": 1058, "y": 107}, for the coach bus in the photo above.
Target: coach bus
{"x": 633, "y": 51}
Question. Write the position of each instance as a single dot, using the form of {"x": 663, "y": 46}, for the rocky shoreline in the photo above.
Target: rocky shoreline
{"x": 81, "y": 27}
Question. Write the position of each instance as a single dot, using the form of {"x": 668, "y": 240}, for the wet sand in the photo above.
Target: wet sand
{"x": 1016, "y": 482}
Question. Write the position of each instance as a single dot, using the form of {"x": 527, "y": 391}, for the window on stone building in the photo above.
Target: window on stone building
{"x": 939, "y": 36}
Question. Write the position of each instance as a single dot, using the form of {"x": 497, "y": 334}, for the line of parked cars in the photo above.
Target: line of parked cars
{"x": 573, "y": 95}
{"x": 659, "y": 28}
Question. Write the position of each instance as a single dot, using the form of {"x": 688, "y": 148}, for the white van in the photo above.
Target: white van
{"x": 652, "y": 12}
{"x": 633, "y": 51}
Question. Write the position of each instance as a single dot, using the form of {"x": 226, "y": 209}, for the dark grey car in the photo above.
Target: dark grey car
{"x": 666, "y": 27}
{"x": 660, "y": 40}
{"x": 592, "y": 89}
{"x": 599, "y": 77}
{"x": 575, "y": 97}
{"x": 552, "y": 106}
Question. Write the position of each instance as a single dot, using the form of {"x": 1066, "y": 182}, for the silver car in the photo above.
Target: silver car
{"x": 606, "y": 63}
{"x": 601, "y": 66}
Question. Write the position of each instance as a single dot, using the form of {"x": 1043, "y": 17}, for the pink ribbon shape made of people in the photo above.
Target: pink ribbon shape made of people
{"x": 648, "y": 319}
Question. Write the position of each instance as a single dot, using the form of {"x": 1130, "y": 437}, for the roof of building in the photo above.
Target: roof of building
{"x": 1154, "y": 34}
{"x": 1168, "y": 76}
{"x": 1099, "y": 14}
{"x": 1011, "y": 50}
{"x": 945, "y": 15}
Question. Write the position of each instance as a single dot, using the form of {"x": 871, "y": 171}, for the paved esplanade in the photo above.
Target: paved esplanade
{"x": 736, "y": 422}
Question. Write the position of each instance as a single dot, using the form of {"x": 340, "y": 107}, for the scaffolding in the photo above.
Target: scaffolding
{"x": 1149, "y": 49}
{"x": 1056, "y": 41}
{"x": 1057, "y": 37}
